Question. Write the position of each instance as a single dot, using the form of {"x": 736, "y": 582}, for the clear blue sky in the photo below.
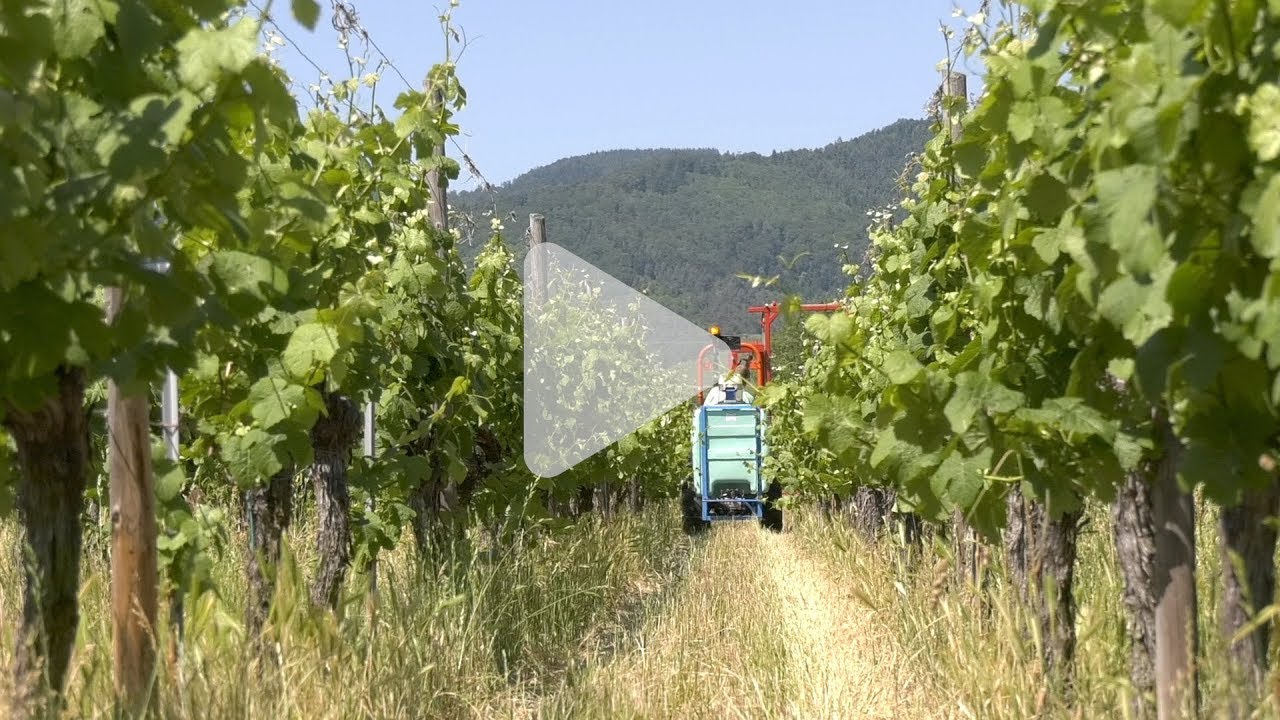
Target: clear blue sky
{"x": 553, "y": 78}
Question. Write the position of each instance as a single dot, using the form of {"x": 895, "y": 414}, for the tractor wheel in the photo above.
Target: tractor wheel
{"x": 691, "y": 512}
{"x": 772, "y": 519}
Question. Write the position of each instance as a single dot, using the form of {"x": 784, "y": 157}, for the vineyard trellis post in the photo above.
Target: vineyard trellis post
{"x": 954, "y": 91}
{"x": 1174, "y": 582}
{"x": 437, "y": 184}
{"x": 367, "y": 442}
{"x": 955, "y": 85}
{"x": 537, "y": 276}
{"x": 535, "y": 294}
{"x": 134, "y": 572}
{"x": 169, "y": 419}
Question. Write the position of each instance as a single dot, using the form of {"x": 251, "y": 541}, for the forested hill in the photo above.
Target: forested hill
{"x": 682, "y": 224}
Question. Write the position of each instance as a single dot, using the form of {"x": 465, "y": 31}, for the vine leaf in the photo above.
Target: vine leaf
{"x": 309, "y": 351}
{"x": 975, "y": 391}
{"x": 204, "y": 55}
{"x": 1179, "y": 12}
{"x": 306, "y": 12}
{"x": 1266, "y": 220}
{"x": 960, "y": 477}
{"x": 77, "y": 27}
{"x": 274, "y": 400}
{"x": 902, "y": 367}
{"x": 1126, "y": 196}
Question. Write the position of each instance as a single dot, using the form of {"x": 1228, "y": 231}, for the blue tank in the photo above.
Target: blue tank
{"x": 728, "y": 482}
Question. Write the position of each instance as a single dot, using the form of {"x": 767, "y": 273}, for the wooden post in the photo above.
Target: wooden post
{"x": 133, "y": 537}
{"x": 169, "y": 417}
{"x": 538, "y": 272}
{"x": 965, "y": 541}
{"x": 954, "y": 85}
{"x": 438, "y": 186}
{"x": 535, "y": 293}
{"x": 370, "y": 427}
{"x": 437, "y": 183}
{"x": 1174, "y": 583}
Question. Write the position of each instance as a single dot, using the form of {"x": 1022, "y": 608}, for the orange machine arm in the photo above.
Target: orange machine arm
{"x": 769, "y": 313}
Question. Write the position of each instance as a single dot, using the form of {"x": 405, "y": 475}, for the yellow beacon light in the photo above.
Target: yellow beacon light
{"x": 714, "y": 330}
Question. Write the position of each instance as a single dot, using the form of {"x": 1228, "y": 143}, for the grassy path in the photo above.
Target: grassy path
{"x": 847, "y": 666}
{"x": 755, "y": 630}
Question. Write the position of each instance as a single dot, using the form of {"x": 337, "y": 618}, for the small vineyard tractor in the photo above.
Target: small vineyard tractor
{"x": 728, "y": 434}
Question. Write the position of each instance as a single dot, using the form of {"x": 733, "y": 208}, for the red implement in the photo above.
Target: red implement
{"x": 757, "y": 354}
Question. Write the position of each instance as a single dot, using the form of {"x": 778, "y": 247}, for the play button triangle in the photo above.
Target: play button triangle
{"x": 600, "y": 360}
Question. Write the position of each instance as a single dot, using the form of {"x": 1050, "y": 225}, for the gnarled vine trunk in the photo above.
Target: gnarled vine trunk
{"x": 586, "y": 500}
{"x": 964, "y": 546}
{"x": 871, "y": 508}
{"x": 1249, "y": 581}
{"x": 434, "y": 500}
{"x": 332, "y": 438}
{"x": 53, "y": 453}
{"x": 1015, "y": 539}
{"x": 1136, "y": 551}
{"x": 1053, "y": 582}
{"x": 603, "y": 502}
{"x": 269, "y": 509}
{"x": 635, "y": 499}
{"x": 1041, "y": 553}
{"x": 829, "y": 506}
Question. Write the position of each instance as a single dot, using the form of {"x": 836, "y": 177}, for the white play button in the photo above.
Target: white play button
{"x": 600, "y": 360}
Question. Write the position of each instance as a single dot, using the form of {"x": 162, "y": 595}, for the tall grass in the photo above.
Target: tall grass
{"x": 629, "y": 619}
{"x": 977, "y": 652}
{"x": 713, "y": 648}
{"x": 478, "y": 634}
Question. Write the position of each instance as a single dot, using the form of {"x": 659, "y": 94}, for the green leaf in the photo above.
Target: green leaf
{"x": 1047, "y": 198}
{"x": 1180, "y": 12}
{"x": 306, "y": 12}
{"x": 834, "y": 328}
{"x": 835, "y": 420}
{"x": 251, "y": 456}
{"x": 1022, "y": 122}
{"x": 1126, "y": 197}
{"x": 77, "y": 26}
{"x": 960, "y": 478}
{"x": 457, "y": 470}
{"x": 275, "y": 400}
{"x": 1139, "y": 310}
{"x": 901, "y": 367}
{"x": 205, "y": 56}
{"x": 1266, "y": 220}
{"x": 1068, "y": 416}
{"x": 976, "y": 391}
{"x": 23, "y": 249}
{"x": 249, "y": 274}
{"x": 140, "y": 145}
{"x": 965, "y": 401}
{"x": 1264, "y": 122}
{"x": 169, "y": 484}
{"x": 310, "y": 349}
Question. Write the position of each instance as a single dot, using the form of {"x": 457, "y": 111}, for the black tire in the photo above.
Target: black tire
{"x": 772, "y": 517}
{"x": 691, "y": 512}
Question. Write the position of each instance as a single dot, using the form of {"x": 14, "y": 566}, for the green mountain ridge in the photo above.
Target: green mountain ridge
{"x": 683, "y": 224}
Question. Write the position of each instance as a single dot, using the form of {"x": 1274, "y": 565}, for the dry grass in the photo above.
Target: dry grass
{"x": 443, "y": 642}
{"x": 757, "y": 630}
{"x": 712, "y": 649}
{"x": 845, "y": 662}
{"x": 976, "y": 655}
{"x": 628, "y": 619}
